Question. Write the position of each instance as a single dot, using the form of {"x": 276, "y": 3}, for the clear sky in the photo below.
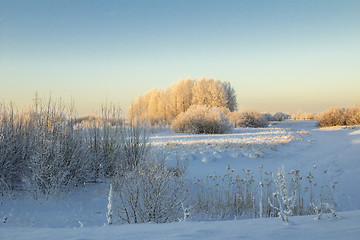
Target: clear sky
{"x": 279, "y": 55}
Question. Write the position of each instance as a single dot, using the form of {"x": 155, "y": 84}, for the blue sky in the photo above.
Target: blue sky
{"x": 278, "y": 55}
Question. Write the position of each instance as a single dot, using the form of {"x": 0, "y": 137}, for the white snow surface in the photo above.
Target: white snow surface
{"x": 81, "y": 214}
{"x": 347, "y": 226}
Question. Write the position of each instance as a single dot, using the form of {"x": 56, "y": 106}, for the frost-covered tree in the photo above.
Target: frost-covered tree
{"x": 180, "y": 96}
{"x": 231, "y": 103}
{"x": 200, "y": 92}
{"x": 137, "y": 111}
{"x": 216, "y": 94}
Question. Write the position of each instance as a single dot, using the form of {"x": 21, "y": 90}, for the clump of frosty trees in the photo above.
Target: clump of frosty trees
{"x": 163, "y": 106}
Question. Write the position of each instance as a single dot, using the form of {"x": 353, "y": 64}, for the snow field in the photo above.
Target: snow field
{"x": 295, "y": 144}
{"x": 347, "y": 226}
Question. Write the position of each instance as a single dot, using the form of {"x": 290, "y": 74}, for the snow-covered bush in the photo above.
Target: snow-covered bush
{"x": 268, "y": 117}
{"x": 104, "y": 137}
{"x": 250, "y": 119}
{"x": 134, "y": 145}
{"x": 41, "y": 150}
{"x": 202, "y": 119}
{"x": 334, "y": 116}
{"x": 352, "y": 115}
{"x": 59, "y": 156}
{"x": 114, "y": 144}
{"x": 280, "y": 116}
{"x": 150, "y": 192}
{"x": 16, "y": 141}
{"x": 339, "y": 116}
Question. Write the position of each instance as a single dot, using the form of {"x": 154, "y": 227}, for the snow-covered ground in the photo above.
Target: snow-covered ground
{"x": 347, "y": 226}
{"x": 294, "y": 144}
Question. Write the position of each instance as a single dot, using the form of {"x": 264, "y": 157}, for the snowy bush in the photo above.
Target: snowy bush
{"x": 250, "y": 119}
{"x": 115, "y": 145}
{"x": 280, "y": 116}
{"x": 352, "y": 115}
{"x": 150, "y": 192}
{"x": 334, "y": 116}
{"x": 268, "y": 117}
{"x": 202, "y": 119}
{"x": 339, "y": 116}
{"x": 59, "y": 156}
{"x": 135, "y": 147}
{"x": 41, "y": 151}
{"x": 16, "y": 141}
{"x": 104, "y": 137}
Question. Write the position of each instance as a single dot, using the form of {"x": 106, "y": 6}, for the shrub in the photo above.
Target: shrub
{"x": 280, "y": 116}
{"x": 352, "y": 115}
{"x": 150, "y": 192}
{"x": 134, "y": 145}
{"x": 202, "y": 119}
{"x": 15, "y": 146}
{"x": 334, "y": 116}
{"x": 58, "y": 158}
{"x": 339, "y": 116}
{"x": 250, "y": 119}
{"x": 59, "y": 162}
{"x": 268, "y": 116}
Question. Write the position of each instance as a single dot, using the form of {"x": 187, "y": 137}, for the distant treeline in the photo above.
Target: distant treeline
{"x": 333, "y": 116}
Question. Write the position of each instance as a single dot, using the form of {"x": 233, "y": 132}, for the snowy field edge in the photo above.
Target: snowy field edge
{"x": 346, "y": 226}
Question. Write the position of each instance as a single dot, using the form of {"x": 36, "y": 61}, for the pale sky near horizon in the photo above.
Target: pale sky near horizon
{"x": 279, "y": 55}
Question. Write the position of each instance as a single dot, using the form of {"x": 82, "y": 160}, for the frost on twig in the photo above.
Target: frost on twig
{"x": 186, "y": 211}
{"x": 109, "y": 206}
{"x": 286, "y": 202}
